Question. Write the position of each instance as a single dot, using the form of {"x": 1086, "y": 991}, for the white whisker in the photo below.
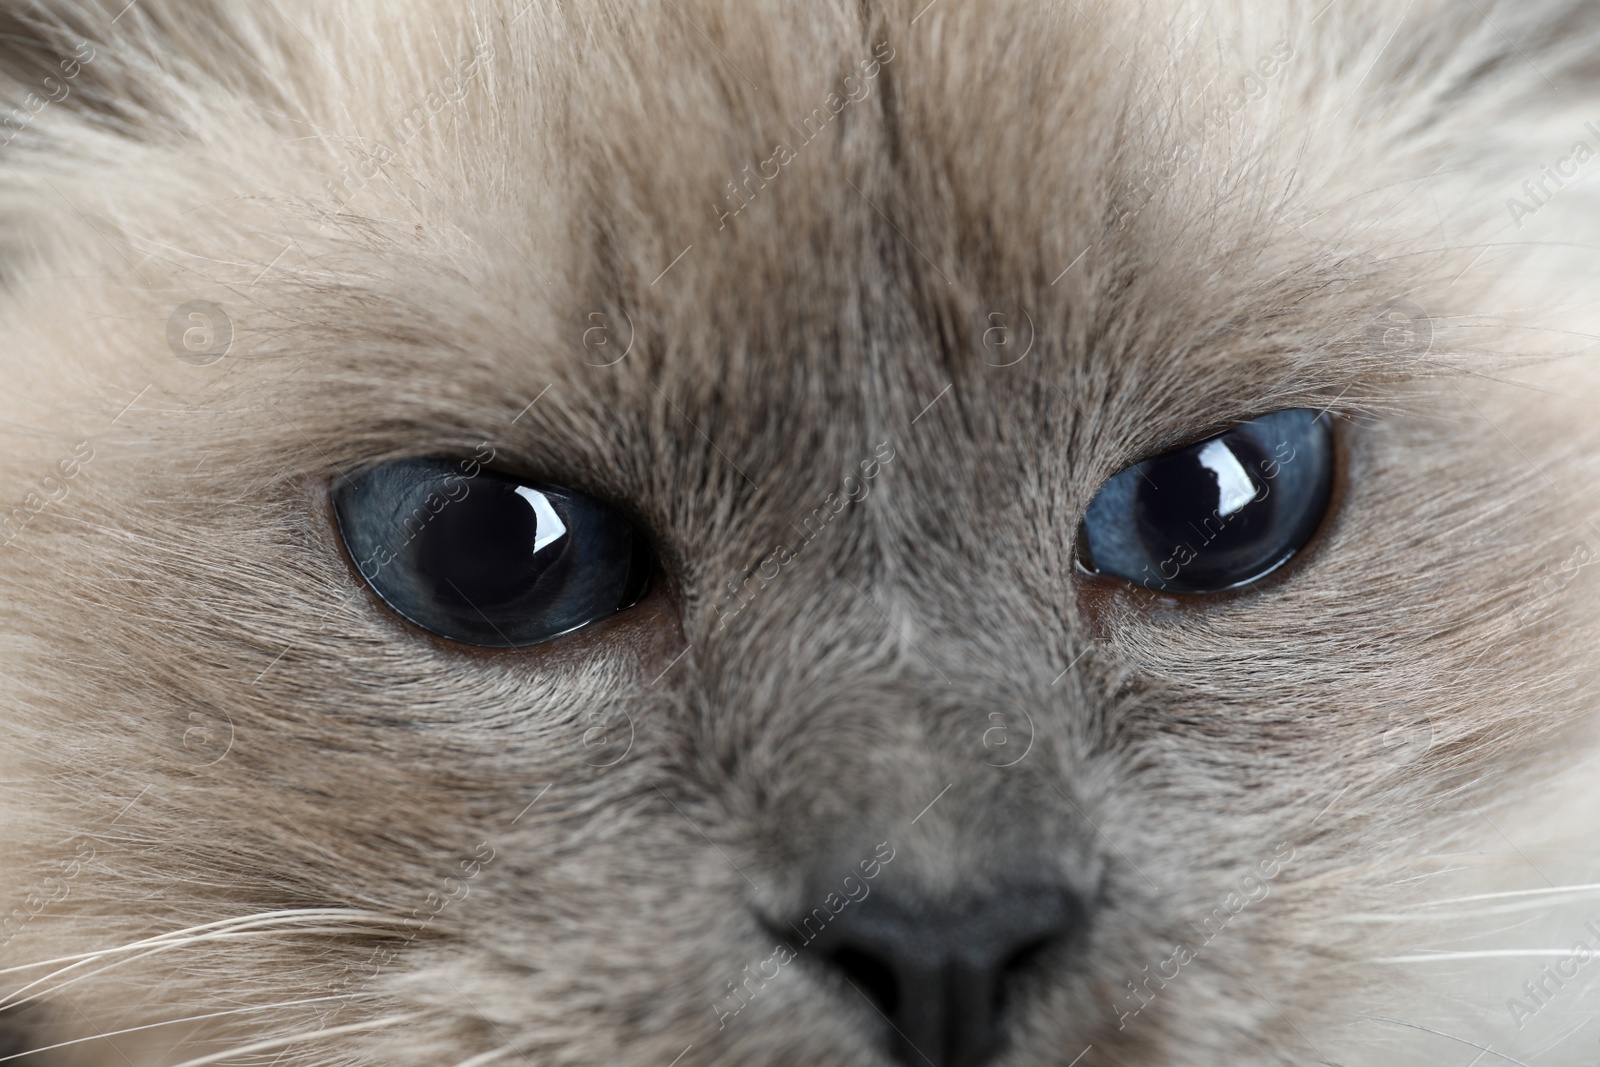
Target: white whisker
{"x": 175, "y": 1022}
{"x": 1484, "y": 1049}
{"x": 261, "y": 918}
{"x": 234, "y": 930}
{"x": 296, "y": 1039}
{"x": 16, "y": 998}
{"x": 1592, "y": 888}
{"x": 1481, "y": 954}
{"x": 1517, "y": 900}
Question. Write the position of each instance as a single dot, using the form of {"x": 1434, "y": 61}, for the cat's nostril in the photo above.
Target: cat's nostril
{"x": 1019, "y": 962}
{"x": 942, "y": 976}
{"x": 871, "y": 976}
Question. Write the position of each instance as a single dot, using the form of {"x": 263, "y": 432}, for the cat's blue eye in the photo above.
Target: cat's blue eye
{"x": 1216, "y": 514}
{"x": 487, "y": 559}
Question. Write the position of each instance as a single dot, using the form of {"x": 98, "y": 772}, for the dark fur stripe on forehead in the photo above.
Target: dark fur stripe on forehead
{"x": 754, "y": 254}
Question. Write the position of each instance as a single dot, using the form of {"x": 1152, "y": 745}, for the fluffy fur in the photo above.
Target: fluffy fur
{"x": 250, "y": 817}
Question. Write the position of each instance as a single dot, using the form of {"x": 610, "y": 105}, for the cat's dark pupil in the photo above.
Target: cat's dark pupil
{"x": 478, "y": 552}
{"x": 1180, "y": 509}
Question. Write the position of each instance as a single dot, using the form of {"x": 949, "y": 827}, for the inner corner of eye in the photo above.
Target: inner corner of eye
{"x": 1082, "y": 550}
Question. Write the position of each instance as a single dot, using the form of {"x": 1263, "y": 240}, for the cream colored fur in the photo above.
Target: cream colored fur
{"x": 232, "y": 785}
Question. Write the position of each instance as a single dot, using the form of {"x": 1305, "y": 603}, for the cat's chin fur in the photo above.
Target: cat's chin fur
{"x": 233, "y": 786}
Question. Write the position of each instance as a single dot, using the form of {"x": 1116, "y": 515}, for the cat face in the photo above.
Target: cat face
{"x": 727, "y": 534}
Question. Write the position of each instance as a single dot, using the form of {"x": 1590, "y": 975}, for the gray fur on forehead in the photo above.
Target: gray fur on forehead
{"x": 412, "y": 212}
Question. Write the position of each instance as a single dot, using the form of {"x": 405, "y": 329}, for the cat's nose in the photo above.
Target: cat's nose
{"x": 942, "y": 975}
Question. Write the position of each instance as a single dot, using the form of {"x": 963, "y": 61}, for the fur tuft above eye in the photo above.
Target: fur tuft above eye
{"x": 487, "y": 559}
{"x": 1216, "y": 514}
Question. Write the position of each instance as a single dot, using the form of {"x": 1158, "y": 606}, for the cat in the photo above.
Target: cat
{"x": 656, "y": 533}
